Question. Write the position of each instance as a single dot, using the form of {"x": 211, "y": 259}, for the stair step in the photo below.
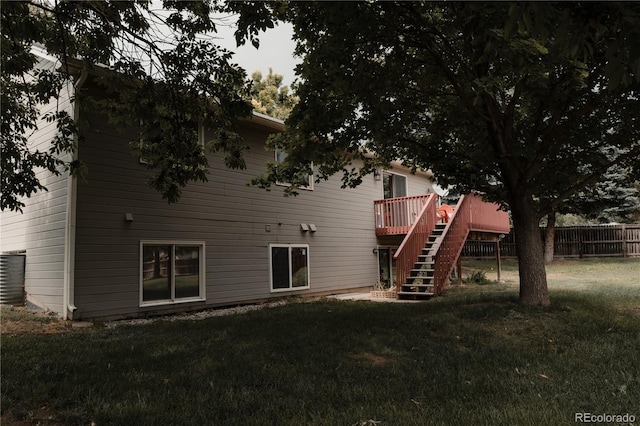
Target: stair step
{"x": 415, "y": 271}
{"x": 426, "y": 273}
{"x": 425, "y": 280}
{"x": 409, "y": 286}
{"x": 411, "y": 281}
{"x": 413, "y": 278}
{"x": 422, "y": 273}
{"x": 420, "y": 270}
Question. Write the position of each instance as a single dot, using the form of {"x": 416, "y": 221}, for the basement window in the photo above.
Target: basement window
{"x": 288, "y": 267}
{"x": 171, "y": 272}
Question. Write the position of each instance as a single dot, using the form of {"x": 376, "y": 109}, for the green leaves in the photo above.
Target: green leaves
{"x": 494, "y": 97}
{"x": 269, "y": 97}
{"x": 254, "y": 17}
{"x": 159, "y": 67}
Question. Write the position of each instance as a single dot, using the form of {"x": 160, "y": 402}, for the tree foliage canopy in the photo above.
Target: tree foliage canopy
{"x": 161, "y": 71}
{"x": 270, "y": 97}
{"x": 496, "y": 97}
{"x": 525, "y": 102}
{"x": 615, "y": 197}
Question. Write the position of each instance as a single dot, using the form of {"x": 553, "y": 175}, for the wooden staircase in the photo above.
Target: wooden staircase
{"x": 420, "y": 284}
{"x": 430, "y": 250}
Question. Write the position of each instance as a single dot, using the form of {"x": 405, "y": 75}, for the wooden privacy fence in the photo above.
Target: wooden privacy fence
{"x": 572, "y": 241}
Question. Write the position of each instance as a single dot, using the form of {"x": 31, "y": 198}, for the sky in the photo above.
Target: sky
{"x": 276, "y": 51}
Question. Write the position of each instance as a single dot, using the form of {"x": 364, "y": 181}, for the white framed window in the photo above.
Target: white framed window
{"x": 288, "y": 267}
{"x": 171, "y": 272}
{"x": 280, "y": 156}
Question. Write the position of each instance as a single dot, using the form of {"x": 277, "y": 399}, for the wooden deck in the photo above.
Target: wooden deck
{"x": 433, "y": 243}
{"x": 395, "y": 216}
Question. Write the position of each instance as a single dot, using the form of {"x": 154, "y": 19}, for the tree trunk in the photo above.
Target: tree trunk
{"x": 549, "y": 237}
{"x": 529, "y": 249}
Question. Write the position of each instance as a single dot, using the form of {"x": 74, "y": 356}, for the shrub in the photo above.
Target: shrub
{"x": 477, "y": 277}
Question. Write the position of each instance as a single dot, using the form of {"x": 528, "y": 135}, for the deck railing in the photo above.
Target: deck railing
{"x": 486, "y": 217}
{"x": 417, "y": 236}
{"x": 395, "y": 216}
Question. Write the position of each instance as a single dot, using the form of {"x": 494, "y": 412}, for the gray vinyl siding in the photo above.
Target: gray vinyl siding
{"x": 224, "y": 213}
{"x": 40, "y": 230}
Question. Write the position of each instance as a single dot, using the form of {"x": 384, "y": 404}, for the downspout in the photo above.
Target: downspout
{"x": 70, "y": 226}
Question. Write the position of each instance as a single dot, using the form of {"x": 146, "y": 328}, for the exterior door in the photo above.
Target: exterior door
{"x": 394, "y": 185}
{"x": 387, "y": 266}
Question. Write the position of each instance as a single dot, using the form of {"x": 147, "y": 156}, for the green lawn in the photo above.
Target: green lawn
{"x": 473, "y": 356}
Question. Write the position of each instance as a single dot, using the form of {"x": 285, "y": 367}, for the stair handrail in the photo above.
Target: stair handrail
{"x": 415, "y": 240}
{"x": 448, "y": 249}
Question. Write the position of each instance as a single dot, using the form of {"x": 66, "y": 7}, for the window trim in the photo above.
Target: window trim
{"x": 201, "y": 134}
{"x": 290, "y": 288}
{"x": 308, "y": 187}
{"x": 201, "y": 265}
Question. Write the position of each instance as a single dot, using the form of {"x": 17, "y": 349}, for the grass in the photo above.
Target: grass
{"x": 11, "y": 313}
{"x": 473, "y": 356}
{"x": 615, "y": 281}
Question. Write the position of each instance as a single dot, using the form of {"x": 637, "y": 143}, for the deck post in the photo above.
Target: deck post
{"x": 498, "y": 261}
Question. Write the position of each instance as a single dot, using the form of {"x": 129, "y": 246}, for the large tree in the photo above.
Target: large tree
{"x": 525, "y": 102}
{"x": 159, "y": 68}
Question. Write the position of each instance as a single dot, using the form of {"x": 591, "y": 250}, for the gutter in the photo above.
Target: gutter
{"x": 264, "y": 121}
{"x": 70, "y": 224}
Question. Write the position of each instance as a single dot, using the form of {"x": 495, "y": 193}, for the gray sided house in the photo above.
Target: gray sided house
{"x": 110, "y": 247}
